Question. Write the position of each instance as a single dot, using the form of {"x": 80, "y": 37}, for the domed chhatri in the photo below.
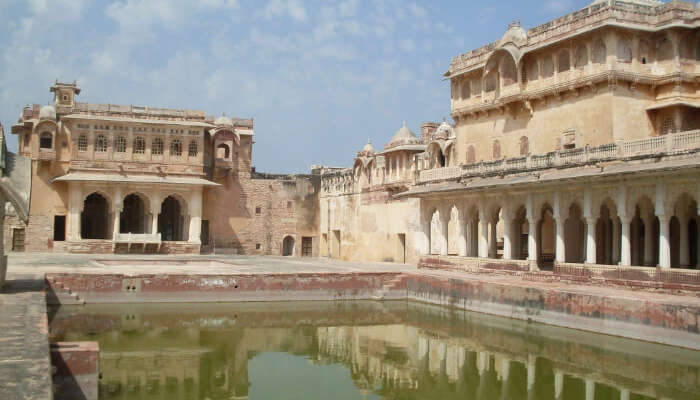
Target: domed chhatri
{"x": 223, "y": 121}
{"x": 368, "y": 147}
{"x": 402, "y": 137}
{"x": 47, "y": 113}
{"x": 445, "y": 131}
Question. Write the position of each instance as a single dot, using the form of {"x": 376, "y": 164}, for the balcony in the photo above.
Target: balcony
{"x": 653, "y": 146}
{"x": 47, "y": 154}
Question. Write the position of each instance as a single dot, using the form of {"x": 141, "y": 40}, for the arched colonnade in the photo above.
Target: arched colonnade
{"x": 649, "y": 226}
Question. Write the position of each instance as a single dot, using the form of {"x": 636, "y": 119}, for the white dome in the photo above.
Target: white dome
{"x": 445, "y": 130}
{"x": 515, "y": 34}
{"x": 368, "y": 148}
{"x": 223, "y": 120}
{"x": 47, "y": 112}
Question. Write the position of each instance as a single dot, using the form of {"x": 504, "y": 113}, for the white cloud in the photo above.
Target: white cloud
{"x": 407, "y": 45}
{"x": 291, "y": 8}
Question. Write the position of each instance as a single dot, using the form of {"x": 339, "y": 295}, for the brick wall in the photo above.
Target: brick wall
{"x": 38, "y": 232}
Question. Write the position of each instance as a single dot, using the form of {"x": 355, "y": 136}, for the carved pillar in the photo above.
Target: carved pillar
{"x": 75, "y": 207}
{"x": 532, "y": 230}
{"x": 590, "y": 240}
{"x": 559, "y": 219}
{"x": 155, "y": 210}
{"x": 483, "y": 234}
{"x": 195, "y": 216}
{"x": 663, "y": 214}
{"x": 507, "y": 238}
{"x": 444, "y": 230}
{"x": 625, "y": 243}
{"x": 462, "y": 229}
{"x": 118, "y": 207}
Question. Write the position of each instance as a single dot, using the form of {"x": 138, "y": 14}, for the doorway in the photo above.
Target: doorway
{"x": 59, "y": 228}
{"x": 288, "y": 246}
{"x": 18, "y": 239}
{"x": 401, "y": 249}
{"x": 307, "y": 246}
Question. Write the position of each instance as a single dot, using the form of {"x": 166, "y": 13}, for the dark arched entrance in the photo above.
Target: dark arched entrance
{"x": 288, "y": 246}
{"x": 171, "y": 220}
{"x": 133, "y": 217}
{"x": 94, "y": 220}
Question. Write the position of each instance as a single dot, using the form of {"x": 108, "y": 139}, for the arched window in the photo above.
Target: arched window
{"x": 533, "y": 70}
{"x": 192, "y": 150}
{"x": 564, "y": 61}
{"x": 547, "y": 67}
{"x": 524, "y": 146}
{"x": 223, "y": 152}
{"x": 471, "y": 154}
{"x": 599, "y": 52}
{"x": 139, "y": 145}
{"x": 490, "y": 82}
{"x": 508, "y": 71}
{"x": 668, "y": 126}
{"x": 157, "y": 146}
{"x": 46, "y": 140}
{"x": 101, "y": 143}
{"x": 664, "y": 50}
{"x": 466, "y": 90}
{"x": 82, "y": 143}
{"x": 624, "y": 51}
{"x": 644, "y": 51}
{"x": 176, "y": 148}
{"x": 581, "y": 56}
{"x": 120, "y": 145}
{"x": 496, "y": 150}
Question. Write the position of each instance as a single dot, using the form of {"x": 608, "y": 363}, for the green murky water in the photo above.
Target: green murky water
{"x": 363, "y": 350}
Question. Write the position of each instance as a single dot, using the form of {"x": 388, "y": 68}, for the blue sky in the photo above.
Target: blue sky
{"x": 319, "y": 77}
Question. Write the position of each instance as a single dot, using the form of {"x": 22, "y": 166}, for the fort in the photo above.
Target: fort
{"x": 565, "y": 190}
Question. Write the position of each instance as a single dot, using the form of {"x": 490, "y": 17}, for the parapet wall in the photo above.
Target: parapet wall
{"x": 666, "y": 319}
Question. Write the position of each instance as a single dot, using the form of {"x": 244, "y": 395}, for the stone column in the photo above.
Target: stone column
{"x": 507, "y": 238}
{"x": 684, "y": 258}
{"x": 532, "y": 238}
{"x": 664, "y": 242}
{"x": 493, "y": 239}
{"x": 616, "y": 241}
{"x": 625, "y": 243}
{"x": 462, "y": 239}
{"x": 195, "y": 216}
{"x": 590, "y": 389}
{"x": 75, "y": 208}
{"x": 558, "y": 384}
{"x": 155, "y": 210}
{"x": 624, "y": 394}
{"x": 483, "y": 234}
{"x": 648, "y": 240}
{"x": 590, "y": 240}
{"x": 560, "y": 249}
{"x": 118, "y": 207}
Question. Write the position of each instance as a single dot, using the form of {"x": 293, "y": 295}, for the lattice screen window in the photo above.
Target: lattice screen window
{"x": 139, "y": 145}
{"x": 120, "y": 145}
{"x": 101, "y": 143}
{"x": 82, "y": 143}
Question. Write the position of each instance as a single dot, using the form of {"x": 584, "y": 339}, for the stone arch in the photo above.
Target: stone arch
{"x": 496, "y": 150}
{"x": 135, "y": 215}
{"x": 664, "y": 49}
{"x": 604, "y": 235}
{"x": 288, "y": 246}
{"x": 172, "y": 218}
{"x": 466, "y": 90}
{"x": 520, "y": 232}
{"x": 524, "y": 146}
{"x": 563, "y": 61}
{"x": 508, "y": 71}
{"x": 574, "y": 235}
{"x": 600, "y": 52}
{"x": 94, "y": 218}
{"x": 471, "y": 154}
{"x": 223, "y": 151}
{"x": 581, "y": 56}
{"x": 546, "y": 234}
{"x": 684, "y": 231}
{"x": 624, "y": 50}
{"x": 436, "y": 156}
{"x": 435, "y": 233}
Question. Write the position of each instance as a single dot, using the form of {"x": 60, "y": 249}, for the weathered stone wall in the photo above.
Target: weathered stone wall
{"x": 368, "y": 225}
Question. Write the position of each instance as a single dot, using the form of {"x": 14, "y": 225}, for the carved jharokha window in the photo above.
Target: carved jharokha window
{"x": 176, "y": 148}
{"x": 82, "y": 143}
{"x": 46, "y": 140}
{"x": 120, "y": 145}
{"x": 101, "y": 143}
{"x": 157, "y": 147}
{"x": 192, "y": 150}
{"x": 599, "y": 52}
{"x": 668, "y": 126}
{"x": 139, "y": 145}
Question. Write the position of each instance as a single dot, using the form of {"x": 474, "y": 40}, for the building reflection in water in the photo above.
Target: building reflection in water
{"x": 391, "y": 350}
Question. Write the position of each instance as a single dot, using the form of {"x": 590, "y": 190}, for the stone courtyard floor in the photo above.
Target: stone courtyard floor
{"x": 24, "y": 351}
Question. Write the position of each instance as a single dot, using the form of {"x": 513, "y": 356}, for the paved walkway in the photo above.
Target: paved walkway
{"x": 22, "y": 264}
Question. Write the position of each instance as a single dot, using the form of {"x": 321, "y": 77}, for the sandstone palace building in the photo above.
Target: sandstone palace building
{"x": 111, "y": 178}
{"x": 574, "y": 144}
